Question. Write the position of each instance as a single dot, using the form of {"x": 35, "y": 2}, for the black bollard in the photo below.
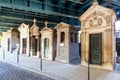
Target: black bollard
{"x": 17, "y": 56}
{"x": 88, "y": 70}
{"x": 41, "y": 62}
{"x": 3, "y": 54}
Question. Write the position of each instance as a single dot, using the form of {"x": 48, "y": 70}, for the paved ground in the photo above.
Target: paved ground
{"x": 10, "y": 72}
{"x": 60, "y": 71}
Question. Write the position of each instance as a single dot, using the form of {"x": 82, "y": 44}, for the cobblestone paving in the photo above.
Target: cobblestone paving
{"x": 10, "y": 72}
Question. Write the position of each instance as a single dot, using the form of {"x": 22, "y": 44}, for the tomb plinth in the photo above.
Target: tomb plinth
{"x": 67, "y": 44}
{"x": 97, "y": 36}
{"x": 47, "y": 43}
{"x": 34, "y": 40}
{"x": 24, "y": 39}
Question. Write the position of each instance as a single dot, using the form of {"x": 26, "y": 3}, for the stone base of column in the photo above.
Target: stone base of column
{"x": 62, "y": 59}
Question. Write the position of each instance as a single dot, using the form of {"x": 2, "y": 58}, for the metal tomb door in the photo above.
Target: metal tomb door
{"x": 35, "y": 47}
{"x": 24, "y": 42}
{"x": 95, "y": 48}
{"x": 46, "y": 47}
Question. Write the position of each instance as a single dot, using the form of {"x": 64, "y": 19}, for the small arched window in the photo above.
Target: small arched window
{"x": 62, "y": 37}
{"x": 72, "y": 37}
{"x": 75, "y": 37}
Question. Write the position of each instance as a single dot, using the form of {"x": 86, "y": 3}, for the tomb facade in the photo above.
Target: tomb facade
{"x": 10, "y": 40}
{"x": 97, "y": 36}
{"x": 48, "y": 43}
{"x": 34, "y": 40}
{"x": 67, "y": 43}
{"x": 24, "y": 39}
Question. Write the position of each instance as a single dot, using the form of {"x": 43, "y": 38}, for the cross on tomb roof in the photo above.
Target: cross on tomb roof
{"x": 95, "y": 0}
{"x": 34, "y": 21}
{"x": 46, "y": 23}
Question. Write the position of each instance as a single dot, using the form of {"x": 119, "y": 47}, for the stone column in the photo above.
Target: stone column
{"x": 21, "y": 44}
{"x": 58, "y": 43}
{"x": 109, "y": 46}
{"x": 87, "y": 48}
{"x": 31, "y": 45}
{"x": 104, "y": 47}
{"x": 83, "y": 47}
{"x": 51, "y": 44}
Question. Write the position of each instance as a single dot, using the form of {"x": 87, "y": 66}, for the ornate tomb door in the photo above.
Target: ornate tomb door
{"x": 35, "y": 46}
{"x": 95, "y": 48}
{"x": 46, "y": 47}
{"x": 8, "y": 44}
{"x": 24, "y": 45}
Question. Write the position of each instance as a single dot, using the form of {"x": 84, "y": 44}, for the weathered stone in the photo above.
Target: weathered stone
{"x": 10, "y": 40}
{"x": 34, "y": 40}
{"x": 24, "y": 39}
{"x": 98, "y": 20}
{"x": 67, "y": 44}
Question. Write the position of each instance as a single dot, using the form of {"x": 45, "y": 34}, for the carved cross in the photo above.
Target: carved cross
{"x": 46, "y": 23}
{"x": 34, "y": 21}
{"x": 95, "y": 0}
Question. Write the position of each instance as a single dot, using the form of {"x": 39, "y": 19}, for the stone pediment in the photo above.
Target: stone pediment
{"x": 65, "y": 25}
{"x": 10, "y": 30}
{"x": 96, "y": 9}
{"x": 34, "y": 29}
{"x": 62, "y": 25}
{"x": 97, "y": 16}
{"x": 46, "y": 29}
{"x": 24, "y": 29}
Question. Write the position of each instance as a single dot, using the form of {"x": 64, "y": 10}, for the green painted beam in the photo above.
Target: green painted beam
{"x": 3, "y": 29}
{"x": 38, "y": 11}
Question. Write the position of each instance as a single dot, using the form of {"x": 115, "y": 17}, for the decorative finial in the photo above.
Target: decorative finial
{"x": 11, "y": 28}
{"x": 34, "y": 21}
{"x": 46, "y": 23}
{"x": 95, "y": 2}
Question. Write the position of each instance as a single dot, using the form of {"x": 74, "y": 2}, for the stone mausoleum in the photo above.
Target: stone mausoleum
{"x": 67, "y": 43}
{"x": 48, "y": 43}
{"x": 34, "y": 40}
{"x": 98, "y": 36}
{"x": 10, "y": 40}
{"x": 24, "y": 39}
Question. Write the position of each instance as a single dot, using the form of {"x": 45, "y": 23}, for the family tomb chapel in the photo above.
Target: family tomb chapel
{"x": 97, "y": 36}
{"x": 34, "y": 40}
{"x": 48, "y": 48}
{"x": 24, "y": 39}
{"x": 10, "y": 40}
{"x": 67, "y": 43}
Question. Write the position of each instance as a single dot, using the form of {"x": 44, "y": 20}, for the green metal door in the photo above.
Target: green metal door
{"x": 95, "y": 48}
{"x": 46, "y": 47}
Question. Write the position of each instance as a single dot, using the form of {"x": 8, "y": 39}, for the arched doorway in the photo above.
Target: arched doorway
{"x": 46, "y": 47}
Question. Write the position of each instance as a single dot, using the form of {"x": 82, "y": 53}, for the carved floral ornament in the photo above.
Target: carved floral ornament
{"x": 95, "y": 21}
{"x": 97, "y": 18}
